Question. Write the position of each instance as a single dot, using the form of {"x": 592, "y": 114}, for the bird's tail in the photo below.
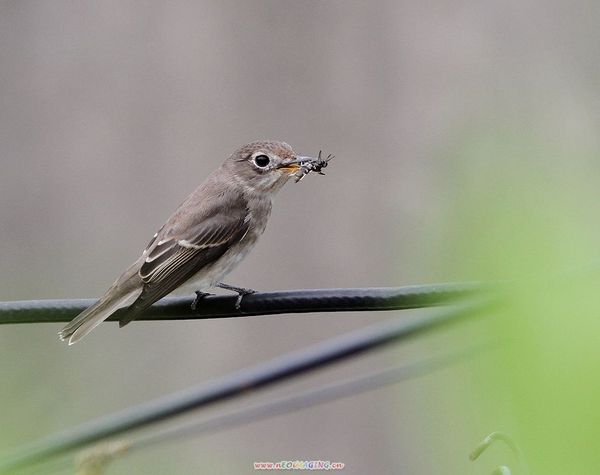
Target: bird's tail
{"x": 121, "y": 294}
{"x": 91, "y": 317}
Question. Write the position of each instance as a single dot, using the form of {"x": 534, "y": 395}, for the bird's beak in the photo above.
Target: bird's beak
{"x": 293, "y": 165}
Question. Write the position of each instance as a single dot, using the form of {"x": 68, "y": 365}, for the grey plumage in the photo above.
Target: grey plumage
{"x": 210, "y": 233}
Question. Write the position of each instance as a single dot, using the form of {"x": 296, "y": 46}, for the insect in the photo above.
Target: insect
{"x": 313, "y": 165}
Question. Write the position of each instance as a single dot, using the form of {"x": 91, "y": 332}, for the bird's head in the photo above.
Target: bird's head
{"x": 263, "y": 166}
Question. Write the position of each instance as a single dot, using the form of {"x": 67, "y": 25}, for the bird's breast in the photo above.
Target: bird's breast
{"x": 259, "y": 211}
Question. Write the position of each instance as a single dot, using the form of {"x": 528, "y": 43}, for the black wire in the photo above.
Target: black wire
{"x": 285, "y": 405}
{"x": 239, "y": 383}
{"x": 310, "y": 398}
{"x": 260, "y": 303}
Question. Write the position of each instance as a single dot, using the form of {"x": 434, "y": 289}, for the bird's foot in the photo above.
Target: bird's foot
{"x": 241, "y": 291}
{"x": 199, "y": 296}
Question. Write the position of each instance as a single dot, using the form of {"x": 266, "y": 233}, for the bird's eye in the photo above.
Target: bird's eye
{"x": 262, "y": 161}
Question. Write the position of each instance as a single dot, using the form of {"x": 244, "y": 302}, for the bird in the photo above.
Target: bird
{"x": 204, "y": 239}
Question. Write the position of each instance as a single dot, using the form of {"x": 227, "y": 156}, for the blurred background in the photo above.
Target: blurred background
{"x": 466, "y": 145}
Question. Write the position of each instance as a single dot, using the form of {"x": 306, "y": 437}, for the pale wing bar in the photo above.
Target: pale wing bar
{"x": 171, "y": 261}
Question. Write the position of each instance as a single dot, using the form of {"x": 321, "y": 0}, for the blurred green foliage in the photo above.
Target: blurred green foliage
{"x": 526, "y": 212}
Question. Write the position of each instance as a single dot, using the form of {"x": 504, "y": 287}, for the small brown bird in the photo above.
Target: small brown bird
{"x": 205, "y": 238}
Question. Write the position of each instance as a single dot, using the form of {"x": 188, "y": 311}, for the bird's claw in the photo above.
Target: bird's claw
{"x": 241, "y": 295}
{"x": 241, "y": 291}
{"x": 199, "y": 296}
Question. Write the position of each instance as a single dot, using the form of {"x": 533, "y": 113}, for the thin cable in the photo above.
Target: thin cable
{"x": 239, "y": 383}
{"x": 260, "y": 303}
{"x": 289, "y": 404}
{"x": 314, "y": 397}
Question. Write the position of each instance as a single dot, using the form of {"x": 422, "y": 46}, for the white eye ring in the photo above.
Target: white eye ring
{"x": 262, "y": 160}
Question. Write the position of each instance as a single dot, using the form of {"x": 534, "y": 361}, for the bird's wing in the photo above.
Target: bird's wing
{"x": 181, "y": 249}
